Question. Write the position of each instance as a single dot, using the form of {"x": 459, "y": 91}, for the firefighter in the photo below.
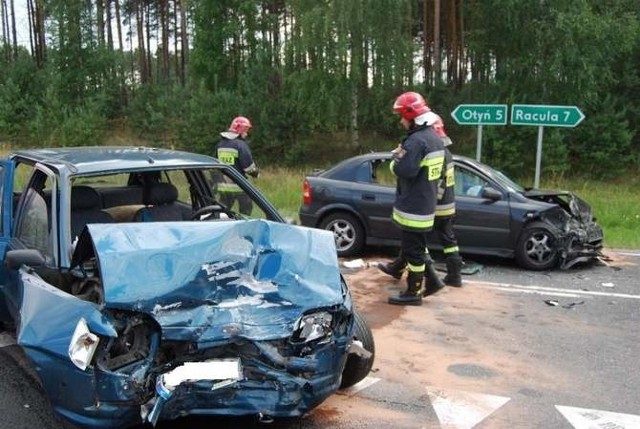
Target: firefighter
{"x": 417, "y": 163}
{"x": 446, "y": 209}
{"x": 233, "y": 149}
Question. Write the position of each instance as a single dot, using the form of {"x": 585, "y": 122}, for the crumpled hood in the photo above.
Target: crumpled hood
{"x": 213, "y": 280}
{"x": 569, "y": 201}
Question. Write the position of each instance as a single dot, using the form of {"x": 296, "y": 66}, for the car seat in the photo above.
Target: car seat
{"x": 86, "y": 208}
{"x": 162, "y": 204}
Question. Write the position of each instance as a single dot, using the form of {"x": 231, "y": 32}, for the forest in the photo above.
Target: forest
{"x": 318, "y": 77}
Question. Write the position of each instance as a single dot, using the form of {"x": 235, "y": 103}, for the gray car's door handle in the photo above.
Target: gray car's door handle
{"x": 368, "y": 197}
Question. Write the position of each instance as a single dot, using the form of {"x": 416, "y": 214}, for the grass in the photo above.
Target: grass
{"x": 283, "y": 187}
{"x": 616, "y": 205}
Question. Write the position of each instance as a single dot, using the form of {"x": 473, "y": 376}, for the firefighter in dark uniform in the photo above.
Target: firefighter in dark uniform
{"x": 232, "y": 149}
{"x": 417, "y": 163}
{"x": 446, "y": 209}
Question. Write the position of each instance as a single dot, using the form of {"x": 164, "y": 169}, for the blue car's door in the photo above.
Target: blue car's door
{"x": 6, "y": 216}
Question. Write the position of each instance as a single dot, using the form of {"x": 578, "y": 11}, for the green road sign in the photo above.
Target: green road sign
{"x": 548, "y": 116}
{"x": 480, "y": 114}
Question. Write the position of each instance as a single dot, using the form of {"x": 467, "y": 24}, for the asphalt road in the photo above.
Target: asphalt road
{"x": 510, "y": 349}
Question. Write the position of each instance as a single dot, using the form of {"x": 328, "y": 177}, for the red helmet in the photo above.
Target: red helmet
{"x": 410, "y": 104}
{"x": 240, "y": 125}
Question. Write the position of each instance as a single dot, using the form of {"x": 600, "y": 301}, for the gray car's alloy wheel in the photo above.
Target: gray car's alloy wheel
{"x": 358, "y": 367}
{"x": 347, "y": 232}
{"x": 537, "y": 248}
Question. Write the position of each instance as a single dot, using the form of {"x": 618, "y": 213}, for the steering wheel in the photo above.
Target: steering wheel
{"x": 212, "y": 212}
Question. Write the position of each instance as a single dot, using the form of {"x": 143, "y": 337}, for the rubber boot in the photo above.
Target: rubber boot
{"x": 394, "y": 268}
{"x": 432, "y": 282}
{"x": 454, "y": 267}
{"x": 413, "y": 294}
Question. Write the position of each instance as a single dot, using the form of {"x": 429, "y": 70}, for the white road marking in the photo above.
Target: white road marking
{"x": 582, "y": 418}
{"x": 629, "y": 254}
{"x": 463, "y": 410}
{"x": 551, "y": 290}
{"x": 366, "y": 382}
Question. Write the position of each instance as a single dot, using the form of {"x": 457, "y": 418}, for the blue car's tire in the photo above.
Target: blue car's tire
{"x": 358, "y": 367}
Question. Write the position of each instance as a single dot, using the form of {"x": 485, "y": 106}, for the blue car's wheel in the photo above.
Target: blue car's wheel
{"x": 347, "y": 232}
{"x": 358, "y": 367}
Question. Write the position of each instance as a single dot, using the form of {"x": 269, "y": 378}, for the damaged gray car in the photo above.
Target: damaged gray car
{"x": 495, "y": 216}
{"x": 137, "y": 296}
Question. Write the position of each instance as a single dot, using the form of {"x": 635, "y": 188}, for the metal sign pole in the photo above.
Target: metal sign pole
{"x": 479, "y": 144}
{"x": 536, "y": 183}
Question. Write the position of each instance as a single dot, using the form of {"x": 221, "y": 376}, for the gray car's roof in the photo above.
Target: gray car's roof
{"x": 86, "y": 159}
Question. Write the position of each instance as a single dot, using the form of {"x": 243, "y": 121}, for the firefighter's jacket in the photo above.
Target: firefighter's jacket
{"x": 446, "y": 205}
{"x": 233, "y": 150}
{"x": 418, "y": 169}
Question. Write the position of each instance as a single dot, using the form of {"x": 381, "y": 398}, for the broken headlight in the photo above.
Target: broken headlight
{"x": 83, "y": 345}
{"x": 313, "y": 326}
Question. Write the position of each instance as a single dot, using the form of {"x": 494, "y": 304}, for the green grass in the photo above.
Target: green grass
{"x": 616, "y": 205}
{"x": 283, "y": 187}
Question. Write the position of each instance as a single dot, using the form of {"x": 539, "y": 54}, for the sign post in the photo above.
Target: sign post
{"x": 542, "y": 115}
{"x": 480, "y": 114}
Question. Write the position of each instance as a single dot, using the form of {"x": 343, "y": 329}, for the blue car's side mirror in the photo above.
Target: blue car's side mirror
{"x": 14, "y": 259}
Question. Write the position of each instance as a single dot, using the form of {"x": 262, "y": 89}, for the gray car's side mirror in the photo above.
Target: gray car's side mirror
{"x": 491, "y": 194}
{"x": 31, "y": 257}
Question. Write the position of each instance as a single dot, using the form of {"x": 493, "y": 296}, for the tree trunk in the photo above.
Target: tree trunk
{"x": 184, "y": 39}
{"x": 5, "y": 29}
{"x": 436, "y": 42}
{"x": 100, "y": 21}
{"x": 39, "y": 32}
{"x": 142, "y": 56}
{"x": 146, "y": 10}
{"x": 426, "y": 49}
{"x": 13, "y": 29}
{"x": 109, "y": 18}
{"x": 163, "y": 8}
{"x": 119, "y": 26}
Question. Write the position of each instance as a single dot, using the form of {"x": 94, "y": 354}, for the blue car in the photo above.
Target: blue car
{"x": 137, "y": 296}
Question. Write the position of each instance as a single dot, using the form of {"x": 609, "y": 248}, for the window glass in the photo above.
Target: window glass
{"x": 382, "y": 173}
{"x": 178, "y": 179}
{"x": 468, "y": 184}
{"x": 34, "y": 228}
{"x": 233, "y": 195}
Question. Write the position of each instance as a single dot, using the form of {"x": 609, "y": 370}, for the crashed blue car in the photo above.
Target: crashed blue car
{"x": 137, "y": 296}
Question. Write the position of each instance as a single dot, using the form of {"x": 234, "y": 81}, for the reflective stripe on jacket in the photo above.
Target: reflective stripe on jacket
{"x": 418, "y": 171}
{"x": 236, "y": 152}
{"x": 446, "y": 205}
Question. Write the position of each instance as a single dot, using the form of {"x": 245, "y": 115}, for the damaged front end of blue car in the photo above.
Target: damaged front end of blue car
{"x": 163, "y": 320}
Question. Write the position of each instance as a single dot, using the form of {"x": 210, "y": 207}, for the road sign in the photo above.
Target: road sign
{"x": 547, "y": 116}
{"x": 480, "y": 114}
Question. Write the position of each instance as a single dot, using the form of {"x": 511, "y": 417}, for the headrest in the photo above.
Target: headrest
{"x": 158, "y": 194}
{"x": 84, "y": 198}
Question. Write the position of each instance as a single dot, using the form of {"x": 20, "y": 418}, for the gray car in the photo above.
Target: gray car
{"x": 495, "y": 216}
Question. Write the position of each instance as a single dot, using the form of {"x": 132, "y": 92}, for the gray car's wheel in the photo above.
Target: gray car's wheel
{"x": 347, "y": 232}
{"x": 358, "y": 367}
{"x": 537, "y": 248}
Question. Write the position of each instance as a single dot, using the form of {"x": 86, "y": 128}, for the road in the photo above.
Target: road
{"x": 510, "y": 349}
